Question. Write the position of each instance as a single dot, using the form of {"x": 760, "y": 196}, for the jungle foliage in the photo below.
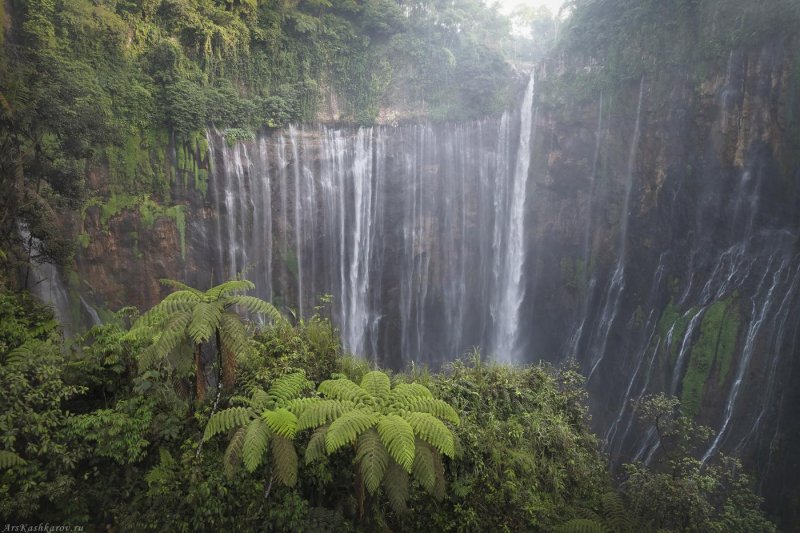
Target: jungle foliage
{"x": 308, "y": 439}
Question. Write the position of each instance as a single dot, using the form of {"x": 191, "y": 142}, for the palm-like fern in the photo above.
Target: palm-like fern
{"x": 9, "y": 459}
{"x": 396, "y": 432}
{"x": 265, "y": 421}
{"x": 188, "y": 318}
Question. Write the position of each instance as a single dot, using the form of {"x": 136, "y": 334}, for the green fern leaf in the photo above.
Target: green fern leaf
{"x": 345, "y": 429}
{"x": 259, "y": 399}
{"x": 226, "y": 420}
{"x": 229, "y": 287}
{"x": 171, "y": 335}
{"x": 298, "y": 406}
{"x": 205, "y": 321}
{"x": 257, "y": 305}
{"x": 398, "y": 437}
{"x": 9, "y": 459}
{"x": 404, "y": 392}
{"x": 289, "y": 386}
{"x": 281, "y": 422}
{"x": 322, "y": 412}
{"x": 180, "y": 286}
{"x": 255, "y": 444}
{"x": 581, "y": 525}
{"x": 376, "y": 383}
{"x": 434, "y": 406}
{"x": 372, "y": 459}
{"x": 433, "y": 431}
{"x": 285, "y": 460}
{"x": 615, "y": 513}
{"x": 233, "y": 335}
{"x": 344, "y": 389}
{"x": 423, "y": 468}
{"x": 233, "y": 453}
{"x": 316, "y": 445}
{"x": 395, "y": 483}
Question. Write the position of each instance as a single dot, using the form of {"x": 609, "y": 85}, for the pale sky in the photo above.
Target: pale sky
{"x": 507, "y": 6}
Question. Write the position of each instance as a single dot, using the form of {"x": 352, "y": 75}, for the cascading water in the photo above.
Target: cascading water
{"x": 409, "y": 229}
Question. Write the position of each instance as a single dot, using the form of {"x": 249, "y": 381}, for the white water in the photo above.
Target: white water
{"x": 511, "y": 291}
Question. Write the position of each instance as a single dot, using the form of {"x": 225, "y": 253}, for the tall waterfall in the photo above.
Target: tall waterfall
{"x": 416, "y": 231}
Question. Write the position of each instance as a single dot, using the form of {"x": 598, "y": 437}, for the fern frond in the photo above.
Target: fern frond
{"x": 316, "y": 445}
{"x": 9, "y": 459}
{"x": 434, "y": 406}
{"x": 259, "y": 399}
{"x": 614, "y": 511}
{"x": 285, "y": 460}
{"x": 281, "y": 422}
{"x": 438, "y": 469}
{"x": 376, "y": 383}
{"x": 343, "y": 389}
{"x": 403, "y": 392}
{"x": 289, "y": 386}
{"x": 398, "y": 437}
{"x": 345, "y": 429}
{"x": 233, "y": 453}
{"x": 257, "y": 305}
{"x": 205, "y": 320}
{"x": 226, "y": 420}
{"x": 180, "y": 286}
{"x": 26, "y": 351}
{"x": 395, "y": 483}
{"x": 321, "y": 412}
{"x": 299, "y": 405}
{"x": 581, "y": 525}
{"x": 372, "y": 459}
{"x": 166, "y": 341}
{"x": 256, "y": 441}
{"x": 433, "y": 431}
{"x": 423, "y": 468}
{"x": 233, "y": 286}
{"x": 233, "y": 334}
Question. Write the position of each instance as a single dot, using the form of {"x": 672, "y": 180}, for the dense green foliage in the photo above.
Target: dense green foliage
{"x": 91, "y": 437}
{"x": 124, "y": 91}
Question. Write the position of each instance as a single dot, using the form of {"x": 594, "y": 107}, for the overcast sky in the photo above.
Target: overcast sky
{"x": 507, "y": 6}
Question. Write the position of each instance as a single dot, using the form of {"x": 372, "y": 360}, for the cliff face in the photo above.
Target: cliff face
{"x": 694, "y": 294}
{"x": 658, "y": 238}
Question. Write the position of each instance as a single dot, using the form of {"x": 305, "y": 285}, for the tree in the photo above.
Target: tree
{"x": 183, "y": 322}
{"x": 267, "y": 418}
{"x": 394, "y": 432}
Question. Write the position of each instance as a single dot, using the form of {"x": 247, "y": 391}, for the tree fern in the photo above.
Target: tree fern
{"x": 316, "y": 445}
{"x": 195, "y": 317}
{"x": 395, "y": 484}
{"x": 226, "y": 420}
{"x": 233, "y": 453}
{"x": 315, "y": 414}
{"x": 345, "y": 429}
{"x": 398, "y": 437}
{"x": 285, "y": 462}
{"x": 372, "y": 459}
{"x": 376, "y": 383}
{"x": 288, "y": 387}
{"x": 263, "y": 424}
{"x": 343, "y": 389}
{"x": 281, "y": 422}
{"x": 395, "y": 431}
{"x": 433, "y": 431}
{"x": 256, "y": 441}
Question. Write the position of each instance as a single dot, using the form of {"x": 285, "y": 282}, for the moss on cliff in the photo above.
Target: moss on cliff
{"x": 712, "y": 354}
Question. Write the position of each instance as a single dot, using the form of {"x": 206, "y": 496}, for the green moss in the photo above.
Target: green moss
{"x": 672, "y": 318}
{"x": 84, "y": 239}
{"x": 712, "y": 352}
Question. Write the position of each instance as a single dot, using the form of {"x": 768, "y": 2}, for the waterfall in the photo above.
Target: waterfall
{"x": 617, "y": 285}
{"x": 416, "y": 231}
{"x": 511, "y": 291}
